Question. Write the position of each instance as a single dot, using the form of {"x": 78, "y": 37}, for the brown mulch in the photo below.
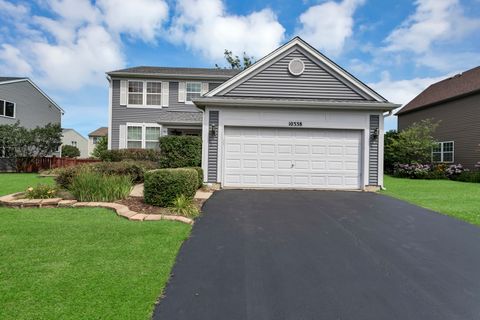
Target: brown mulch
{"x": 137, "y": 204}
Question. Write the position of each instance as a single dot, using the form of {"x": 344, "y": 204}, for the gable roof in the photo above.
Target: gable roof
{"x": 297, "y": 41}
{"x": 100, "y": 132}
{"x": 175, "y": 72}
{"x": 450, "y": 88}
{"x": 8, "y": 80}
{"x": 78, "y": 133}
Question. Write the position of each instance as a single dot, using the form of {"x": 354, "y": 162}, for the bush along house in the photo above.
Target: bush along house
{"x": 293, "y": 120}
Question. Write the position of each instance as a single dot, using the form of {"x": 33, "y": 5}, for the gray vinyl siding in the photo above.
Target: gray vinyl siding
{"x": 459, "y": 122}
{"x": 31, "y": 107}
{"x": 212, "y": 148}
{"x": 176, "y": 112}
{"x": 373, "y": 151}
{"x": 275, "y": 81}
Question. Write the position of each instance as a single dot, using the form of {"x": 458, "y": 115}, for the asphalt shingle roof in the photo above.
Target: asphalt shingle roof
{"x": 458, "y": 85}
{"x": 177, "y": 71}
{"x": 100, "y": 132}
{"x": 4, "y": 79}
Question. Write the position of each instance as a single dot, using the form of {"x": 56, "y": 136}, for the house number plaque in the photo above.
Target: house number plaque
{"x": 295, "y": 123}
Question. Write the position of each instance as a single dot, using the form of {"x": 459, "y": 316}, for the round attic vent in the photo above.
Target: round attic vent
{"x": 296, "y": 67}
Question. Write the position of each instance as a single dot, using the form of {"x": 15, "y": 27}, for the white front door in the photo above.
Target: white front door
{"x": 292, "y": 158}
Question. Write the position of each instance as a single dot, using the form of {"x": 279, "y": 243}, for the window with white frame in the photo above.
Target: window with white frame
{"x": 144, "y": 93}
{"x": 143, "y": 136}
{"x": 7, "y": 109}
{"x": 135, "y": 92}
{"x": 193, "y": 90}
{"x": 443, "y": 151}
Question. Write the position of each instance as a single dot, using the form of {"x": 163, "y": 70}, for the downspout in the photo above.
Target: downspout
{"x": 110, "y": 111}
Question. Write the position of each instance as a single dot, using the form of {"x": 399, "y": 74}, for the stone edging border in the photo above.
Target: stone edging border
{"x": 121, "y": 210}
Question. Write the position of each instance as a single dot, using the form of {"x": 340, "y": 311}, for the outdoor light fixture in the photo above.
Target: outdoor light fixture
{"x": 213, "y": 130}
{"x": 374, "y": 134}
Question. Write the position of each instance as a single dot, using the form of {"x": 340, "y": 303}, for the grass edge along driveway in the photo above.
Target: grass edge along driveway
{"x": 460, "y": 200}
{"x": 83, "y": 263}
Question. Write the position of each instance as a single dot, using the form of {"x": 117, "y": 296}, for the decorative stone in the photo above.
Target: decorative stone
{"x": 32, "y": 203}
{"x": 153, "y": 217}
{"x": 138, "y": 217}
{"x": 50, "y": 202}
{"x": 66, "y": 203}
{"x": 127, "y": 213}
{"x": 178, "y": 218}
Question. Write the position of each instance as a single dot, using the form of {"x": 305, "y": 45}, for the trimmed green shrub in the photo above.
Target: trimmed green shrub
{"x": 162, "y": 186}
{"x": 468, "y": 176}
{"x": 180, "y": 151}
{"x": 200, "y": 175}
{"x": 134, "y": 169}
{"x": 69, "y": 151}
{"x": 185, "y": 207}
{"x": 93, "y": 186}
{"x": 131, "y": 154}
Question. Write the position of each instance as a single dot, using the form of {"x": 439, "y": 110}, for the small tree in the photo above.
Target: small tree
{"x": 69, "y": 151}
{"x": 235, "y": 62}
{"x": 414, "y": 144}
{"x": 100, "y": 148}
{"x": 390, "y": 155}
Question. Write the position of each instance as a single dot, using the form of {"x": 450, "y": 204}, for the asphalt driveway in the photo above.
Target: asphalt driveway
{"x": 323, "y": 255}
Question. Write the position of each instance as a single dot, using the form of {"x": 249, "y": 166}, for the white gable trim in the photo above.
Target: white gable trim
{"x": 296, "y": 41}
{"x": 39, "y": 90}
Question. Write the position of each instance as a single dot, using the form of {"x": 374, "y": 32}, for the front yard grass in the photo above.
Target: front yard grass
{"x": 17, "y": 182}
{"x": 82, "y": 263}
{"x": 457, "y": 199}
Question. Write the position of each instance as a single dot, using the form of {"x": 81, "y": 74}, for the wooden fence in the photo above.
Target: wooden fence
{"x": 47, "y": 163}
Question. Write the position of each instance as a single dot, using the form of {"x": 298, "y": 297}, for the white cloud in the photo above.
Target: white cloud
{"x": 82, "y": 62}
{"x": 206, "y": 27}
{"x": 78, "y": 41}
{"x": 403, "y": 91}
{"x": 327, "y": 26}
{"x": 433, "y": 21}
{"x": 12, "y": 62}
{"x": 140, "y": 19}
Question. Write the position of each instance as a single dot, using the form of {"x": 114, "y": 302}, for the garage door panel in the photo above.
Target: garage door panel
{"x": 292, "y": 158}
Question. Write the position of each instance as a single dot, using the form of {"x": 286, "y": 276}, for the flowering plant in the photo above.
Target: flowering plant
{"x": 41, "y": 191}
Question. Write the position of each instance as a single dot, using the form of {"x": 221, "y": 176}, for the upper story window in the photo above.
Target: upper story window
{"x": 7, "y": 109}
{"x": 443, "y": 151}
{"x": 193, "y": 90}
{"x": 144, "y": 93}
{"x": 135, "y": 92}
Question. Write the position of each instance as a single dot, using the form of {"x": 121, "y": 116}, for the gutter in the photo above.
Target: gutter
{"x": 170, "y": 76}
{"x": 221, "y": 102}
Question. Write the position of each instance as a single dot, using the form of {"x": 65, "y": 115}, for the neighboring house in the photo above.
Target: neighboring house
{"x": 455, "y": 102}
{"x": 94, "y": 137}
{"x": 73, "y": 138}
{"x": 23, "y": 101}
{"x": 294, "y": 119}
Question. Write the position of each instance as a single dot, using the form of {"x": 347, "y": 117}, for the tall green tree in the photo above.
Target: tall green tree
{"x": 236, "y": 62}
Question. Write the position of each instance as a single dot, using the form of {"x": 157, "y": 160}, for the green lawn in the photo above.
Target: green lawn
{"x": 16, "y": 182}
{"x": 457, "y": 199}
{"x": 83, "y": 263}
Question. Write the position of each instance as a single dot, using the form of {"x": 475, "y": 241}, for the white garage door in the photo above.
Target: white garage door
{"x": 291, "y": 158}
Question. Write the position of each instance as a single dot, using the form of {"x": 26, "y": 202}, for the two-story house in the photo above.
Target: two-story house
{"x": 146, "y": 102}
{"x": 294, "y": 119}
{"x": 454, "y": 103}
{"x": 23, "y": 101}
{"x": 94, "y": 137}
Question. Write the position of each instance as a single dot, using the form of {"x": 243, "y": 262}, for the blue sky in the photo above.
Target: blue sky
{"x": 66, "y": 46}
